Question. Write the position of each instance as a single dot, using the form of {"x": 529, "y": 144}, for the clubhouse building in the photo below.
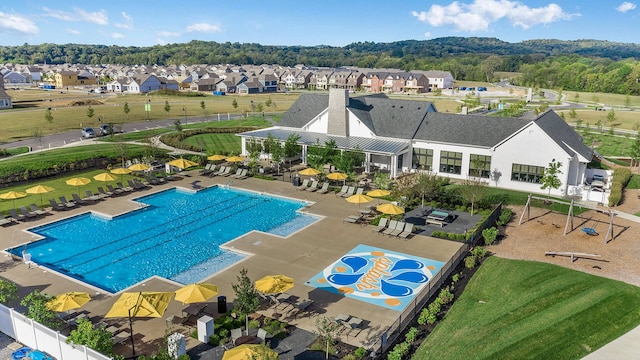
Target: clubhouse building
{"x": 404, "y": 136}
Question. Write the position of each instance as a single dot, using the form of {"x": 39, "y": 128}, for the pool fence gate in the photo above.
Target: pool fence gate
{"x": 413, "y": 309}
{"x": 37, "y": 336}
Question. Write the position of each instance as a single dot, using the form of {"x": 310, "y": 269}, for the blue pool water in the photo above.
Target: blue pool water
{"x": 177, "y": 236}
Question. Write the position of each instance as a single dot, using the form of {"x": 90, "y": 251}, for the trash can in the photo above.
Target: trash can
{"x": 296, "y": 181}
{"x": 222, "y": 304}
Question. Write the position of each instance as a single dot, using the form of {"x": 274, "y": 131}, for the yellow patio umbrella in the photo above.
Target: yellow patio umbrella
{"x": 337, "y": 176}
{"x": 68, "y": 301}
{"x": 39, "y": 189}
{"x": 139, "y": 167}
{"x": 182, "y": 163}
{"x": 216, "y": 157}
{"x": 390, "y": 209}
{"x": 250, "y": 351}
{"x": 274, "y": 284}
{"x": 234, "y": 159}
{"x": 105, "y": 176}
{"x": 378, "y": 193}
{"x": 139, "y": 304}
{"x": 359, "y": 199}
{"x": 309, "y": 172}
{"x": 194, "y": 293}
{"x": 78, "y": 181}
{"x": 121, "y": 171}
{"x": 12, "y": 195}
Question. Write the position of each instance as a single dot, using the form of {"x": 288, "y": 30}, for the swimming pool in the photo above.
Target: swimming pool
{"x": 176, "y": 236}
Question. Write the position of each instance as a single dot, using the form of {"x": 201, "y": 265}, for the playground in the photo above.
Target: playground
{"x": 542, "y": 232}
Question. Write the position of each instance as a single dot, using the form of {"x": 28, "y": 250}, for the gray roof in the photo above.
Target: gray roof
{"x": 475, "y": 130}
{"x": 376, "y": 146}
{"x": 563, "y": 134}
{"x": 383, "y": 116}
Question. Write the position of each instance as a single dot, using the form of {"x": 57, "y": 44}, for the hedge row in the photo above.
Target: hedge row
{"x": 174, "y": 139}
{"x": 621, "y": 177}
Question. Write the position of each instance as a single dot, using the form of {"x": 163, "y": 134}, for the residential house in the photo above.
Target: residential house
{"x": 303, "y": 77}
{"x": 144, "y": 84}
{"x": 320, "y": 80}
{"x": 404, "y": 136}
{"x": 15, "y": 78}
{"x": 66, "y": 78}
{"x": 35, "y": 73}
{"x": 5, "y": 99}
{"x": 251, "y": 86}
{"x": 269, "y": 82}
{"x": 437, "y": 79}
{"x": 208, "y": 84}
{"x": 354, "y": 81}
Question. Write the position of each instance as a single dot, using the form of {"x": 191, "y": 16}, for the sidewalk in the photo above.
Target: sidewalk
{"x": 626, "y": 347}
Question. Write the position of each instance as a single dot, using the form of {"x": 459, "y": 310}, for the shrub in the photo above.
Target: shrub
{"x": 360, "y": 353}
{"x": 455, "y": 278}
{"x": 214, "y": 340}
{"x": 399, "y": 351}
{"x": 445, "y": 295}
{"x": 411, "y": 335}
{"x": 424, "y": 314}
{"x": 435, "y": 307}
{"x": 505, "y": 216}
{"x": 479, "y": 252}
{"x": 254, "y": 324}
{"x": 470, "y": 262}
{"x": 490, "y": 235}
{"x": 349, "y": 357}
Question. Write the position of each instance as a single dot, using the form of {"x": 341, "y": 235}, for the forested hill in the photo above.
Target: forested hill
{"x": 401, "y": 54}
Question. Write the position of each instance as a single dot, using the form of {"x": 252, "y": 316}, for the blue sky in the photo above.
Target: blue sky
{"x": 302, "y": 22}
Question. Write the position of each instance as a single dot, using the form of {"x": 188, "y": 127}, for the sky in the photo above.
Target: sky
{"x": 310, "y": 23}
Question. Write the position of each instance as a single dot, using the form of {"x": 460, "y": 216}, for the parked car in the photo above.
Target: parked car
{"x": 88, "y": 133}
{"x": 106, "y": 129}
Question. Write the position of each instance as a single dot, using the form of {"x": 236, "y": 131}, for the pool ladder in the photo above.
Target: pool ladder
{"x": 228, "y": 185}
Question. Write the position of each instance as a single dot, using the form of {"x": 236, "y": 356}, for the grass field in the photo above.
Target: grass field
{"x": 624, "y": 119}
{"x": 216, "y": 143}
{"x": 529, "y": 310}
{"x": 608, "y": 145}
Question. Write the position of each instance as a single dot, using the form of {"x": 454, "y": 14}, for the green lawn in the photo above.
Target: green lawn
{"x": 216, "y": 143}
{"x": 608, "y": 145}
{"x": 634, "y": 183}
{"x": 528, "y": 310}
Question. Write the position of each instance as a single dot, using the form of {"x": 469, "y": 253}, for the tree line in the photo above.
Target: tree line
{"x": 581, "y": 65}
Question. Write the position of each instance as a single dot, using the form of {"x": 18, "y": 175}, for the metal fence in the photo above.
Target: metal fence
{"x": 433, "y": 287}
{"x": 37, "y": 336}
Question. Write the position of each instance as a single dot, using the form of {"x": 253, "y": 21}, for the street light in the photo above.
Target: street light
{"x": 184, "y": 110}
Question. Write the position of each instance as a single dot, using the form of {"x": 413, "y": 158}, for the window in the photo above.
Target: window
{"x": 527, "y": 173}
{"x": 422, "y": 159}
{"x": 451, "y": 162}
{"x": 480, "y": 166}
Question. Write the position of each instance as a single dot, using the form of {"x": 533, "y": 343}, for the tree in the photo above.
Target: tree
{"x": 167, "y": 107}
{"x": 291, "y": 147}
{"x": 268, "y": 102}
{"x": 247, "y": 300}
{"x": 38, "y": 311}
{"x": 234, "y": 103}
{"x": 490, "y": 65}
{"x": 611, "y": 117}
{"x": 550, "y": 179}
{"x": 8, "y": 291}
{"x": 635, "y": 150}
{"x": 97, "y": 338}
{"x": 572, "y": 113}
{"x": 327, "y": 329}
{"x": 268, "y": 144}
{"x": 277, "y": 151}
{"x": 472, "y": 190}
{"x": 48, "y": 117}
{"x": 177, "y": 125}
{"x": 37, "y": 134}
{"x": 126, "y": 110}
{"x": 254, "y": 147}
{"x": 205, "y": 111}
{"x": 259, "y": 107}
{"x": 90, "y": 112}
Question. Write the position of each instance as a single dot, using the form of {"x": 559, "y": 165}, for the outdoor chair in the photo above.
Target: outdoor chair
{"x": 114, "y": 191}
{"x": 392, "y": 226}
{"x": 151, "y": 180}
{"x": 15, "y": 215}
{"x": 262, "y": 335}
{"x": 166, "y": 177}
{"x": 360, "y": 190}
{"x": 324, "y": 189}
{"x": 56, "y": 206}
{"x": 353, "y": 219}
{"x": 226, "y": 171}
{"x": 207, "y": 169}
{"x": 69, "y": 204}
{"x": 313, "y": 187}
{"x": 104, "y": 193}
{"x": 139, "y": 185}
{"x": 36, "y": 210}
{"x": 241, "y": 175}
{"x": 381, "y": 225}
{"x": 5, "y": 221}
{"x": 343, "y": 190}
{"x": 304, "y": 185}
{"x": 399, "y": 229}
{"x": 235, "y": 334}
{"x": 391, "y": 229}
{"x": 216, "y": 173}
{"x": 408, "y": 230}
{"x": 78, "y": 200}
{"x": 238, "y": 172}
{"x": 124, "y": 188}
{"x": 350, "y": 191}
{"x": 29, "y": 214}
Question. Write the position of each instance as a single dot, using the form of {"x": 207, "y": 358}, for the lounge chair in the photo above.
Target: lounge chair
{"x": 104, "y": 193}
{"x": 238, "y": 172}
{"x": 350, "y": 191}
{"x": 15, "y": 215}
{"x": 242, "y": 175}
{"x": 36, "y": 210}
{"x": 139, "y": 185}
{"x": 235, "y": 334}
{"x": 392, "y": 227}
{"x": 353, "y": 219}
{"x": 5, "y": 220}
{"x": 343, "y": 190}
{"x": 150, "y": 180}
{"x": 133, "y": 185}
{"x": 408, "y": 229}
{"x": 220, "y": 171}
{"x": 381, "y": 225}
{"x": 359, "y": 190}
{"x": 98, "y": 196}
{"x": 304, "y": 185}
{"x": 207, "y": 169}
{"x": 399, "y": 229}
{"x": 56, "y": 206}
{"x": 29, "y": 214}
{"x": 313, "y": 187}
{"x": 80, "y": 201}
{"x": 164, "y": 175}
{"x": 124, "y": 188}
{"x": 115, "y": 191}
{"x": 69, "y": 204}
{"x": 262, "y": 335}
{"x": 324, "y": 189}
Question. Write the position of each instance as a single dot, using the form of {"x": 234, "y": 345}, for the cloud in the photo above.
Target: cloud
{"x": 478, "y": 15}
{"x": 128, "y": 22}
{"x": 168, "y": 34}
{"x": 427, "y": 35}
{"x": 17, "y": 23}
{"x": 96, "y": 17}
{"x": 116, "y": 35}
{"x": 73, "y": 31}
{"x": 626, "y": 6}
{"x": 202, "y": 27}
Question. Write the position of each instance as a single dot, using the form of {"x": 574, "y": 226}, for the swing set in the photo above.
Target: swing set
{"x": 591, "y": 231}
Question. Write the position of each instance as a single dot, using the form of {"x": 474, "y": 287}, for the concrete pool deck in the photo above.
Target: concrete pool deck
{"x": 301, "y": 256}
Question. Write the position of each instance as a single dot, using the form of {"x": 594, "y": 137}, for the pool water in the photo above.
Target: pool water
{"x": 177, "y": 236}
